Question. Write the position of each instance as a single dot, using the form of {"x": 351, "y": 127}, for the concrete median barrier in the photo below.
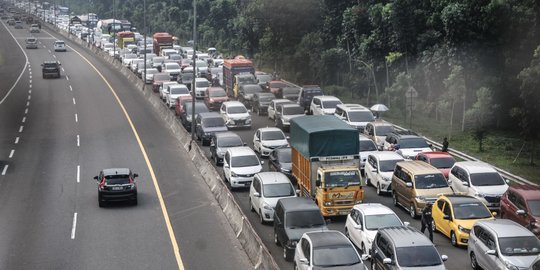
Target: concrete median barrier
{"x": 256, "y": 251}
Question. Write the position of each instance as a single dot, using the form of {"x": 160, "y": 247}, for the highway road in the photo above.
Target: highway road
{"x": 56, "y": 134}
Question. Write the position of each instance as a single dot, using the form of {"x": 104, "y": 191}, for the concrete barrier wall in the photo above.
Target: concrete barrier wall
{"x": 255, "y": 249}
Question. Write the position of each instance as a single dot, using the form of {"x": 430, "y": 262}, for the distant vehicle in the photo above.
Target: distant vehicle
{"x": 321, "y": 105}
{"x": 127, "y": 58}
{"x": 173, "y": 92}
{"x": 290, "y": 93}
{"x": 285, "y": 113}
{"x": 222, "y": 141}
{"x": 173, "y": 69}
{"x": 306, "y": 94}
{"x": 179, "y": 107}
{"x": 214, "y": 97}
{"x": 18, "y": 25}
{"x": 50, "y": 69}
{"x": 162, "y": 40}
{"x": 273, "y": 106}
{"x": 164, "y": 88}
{"x": 379, "y": 168}
{"x": 262, "y": 78}
{"x": 240, "y": 164}
{"x": 206, "y": 124}
{"x": 116, "y": 184}
{"x": 260, "y": 102}
{"x": 279, "y": 160}
{"x": 367, "y": 147}
{"x": 150, "y": 75}
{"x": 521, "y": 203}
{"x": 410, "y": 144}
{"x": 232, "y": 67}
{"x": 59, "y": 46}
{"x": 185, "y": 117}
{"x": 246, "y": 92}
{"x": 159, "y": 79}
{"x": 274, "y": 86}
{"x": 440, "y": 160}
{"x": 355, "y": 115}
{"x": 34, "y": 28}
{"x": 200, "y": 87}
{"x": 235, "y": 115}
{"x": 31, "y": 43}
{"x": 265, "y": 140}
{"x": 265, "y": 191}
{"x": 377, "y": 132}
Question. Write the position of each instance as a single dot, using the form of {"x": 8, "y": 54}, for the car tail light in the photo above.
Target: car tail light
{"x": 102, "y": 184}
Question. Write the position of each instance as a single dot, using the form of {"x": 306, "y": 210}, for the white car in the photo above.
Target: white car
{"x": 175, "y": 91}
{"x": 285, "y": 113}
{"x": 478, "y": 179}
{"x": 380, "y": 168}
{"x": 173, "y": 69}
{"x": 321, "y": 105}
{"x": 114, "y": 53}
{"x": 127, "y": 58}
{"x": 355, "y": 115}
{"x": 59, "y": 46}
{"x": 240, "y": 164}
{"x": 134, "y": 65}
{"x": 367, "y": 146}
{"x": 365, "y": 220}
{"x": 265, "y": 140}
{"x": 265, "y": 191}
{"x": 163, "y": 89}
{"x": 273, "y": 106}
{"x": 150, "y": 75}
{"x": 235, "y": 114}
{"x": 107, "y": 46}
{"x": 201, "y": 67}
{"x": 157, "y": 61}
{"x": 201, "y": 84}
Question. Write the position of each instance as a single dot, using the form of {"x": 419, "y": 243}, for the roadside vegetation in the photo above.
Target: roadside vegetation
{"x": 475, "y": 65}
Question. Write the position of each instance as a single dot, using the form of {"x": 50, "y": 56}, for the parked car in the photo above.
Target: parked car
{"x": 260, "y": 102}
{"x": 355, "y": 115}
{"x": 440, "y": 160}
{"x": 222, "y": 141}
{"x": 235, "y": 115}
{"x": 185, "y": 116}
{"x": 246, "y": 92}
{"x": 326, "y": 250}
{"x": 416, "y": 183}
{"x": 521, "y": 203}
{"x": 307, "y": 92}
{"x": 286, "y": 112}
{"x": 478, "y": 179}
{"x": 116, "y": 184}
{"x": 206, "y": 124}
{"x": 502, "y": 244}
{"x": 367, "y": 147}
{"x": 59, "y": 46}
{"x": 377, "y": 132}
{"x": 214, "y": 97}
{"x": 240, "y": 164}
{"x": 321, "y": 105}
{"x": 292, "y": 218}
{"x": 454, "y": 216}
{"x": 379, "y": 170}
{"x": 265, "y": 140}
{"x": 272, "y": 107}
{"x": 31, "y": 43}
{"x": 406, "y": 143}
{"x": 365, "y": 220}
{"x": 280, "y": 160}
{"x": 404, "y": 247}
{"x": 265, "y": 191}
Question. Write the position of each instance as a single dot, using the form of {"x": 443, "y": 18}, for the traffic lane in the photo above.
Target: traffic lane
{"x": 38, "y": 193}
{"x": 12, "y": 59}
{"x": 198, "y": 222}
{"x": 337, "y": 223}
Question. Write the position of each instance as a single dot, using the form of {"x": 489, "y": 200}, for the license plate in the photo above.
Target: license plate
{"x": 117, "y": 188}
{"x": 247, "y": 184}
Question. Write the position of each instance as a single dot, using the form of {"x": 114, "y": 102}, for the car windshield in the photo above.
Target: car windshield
{"x": 236, "y": 109}
{"x": 413, "y": 143}
{"x": 264, "y": 78}
{"x": 179, "y": 91}
{"x": 293, "y": 110}
{"x": 187, "y": 77}
{"x": 278, "y": 190}
{"x": 250, "y": 89}
{"x": 375, "y": 222}
{"x": 213, "y": 122}
{"x": 365, "y": 116}
{"x": 119, "y": 179}
{"x": 429, "y": 181}
{"x": 388, "y": 165}
{"x": 130, "y": 56}
{"x": 519, "y": 246}
{"x": 172, "y": 66}
{"x": 383, "y": 130}
{"x": 217, "y": 93}
{"x": 200, "y": 64}
{"x": 418, "y": 256}
{"x": 288, "y": 91}
{"x": 244, "y": 161}
{"x": 265, "y": 99}
{"x": 246, "y": 79}
{"x": 230, "y": 141}
{"x": 330, "y": 104}
{"x": 278, "y": 85}
{"x": 199, "y": 108}
{"x": 339, "y": 255}
{"x": 534, "y": 205}
{"x": 161, "y": 77}
{"x": 367, "y": 145}
{"x": 151, "y": 71}
{"x": 442, "y": 163}
{"x": 202, "y": 84}
{"x": 341, "y": 179}
{"x": 472, "y": 210}
{"x": 487, "y": 179}
{"x": 313, "y": 92}
{"x": 304, "y": 219}
{"x": 272, "y": 135}
{"x": 285, "y": 156}
{"x": 49, "y": 65}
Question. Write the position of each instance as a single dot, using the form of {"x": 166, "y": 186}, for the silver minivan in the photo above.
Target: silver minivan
{"x": 502, "y": 244}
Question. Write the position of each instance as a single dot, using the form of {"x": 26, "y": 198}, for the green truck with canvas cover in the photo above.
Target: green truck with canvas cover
{"x": 326, "y": 162}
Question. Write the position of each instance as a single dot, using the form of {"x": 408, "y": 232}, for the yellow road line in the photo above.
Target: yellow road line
{"x": 176, "y": 249}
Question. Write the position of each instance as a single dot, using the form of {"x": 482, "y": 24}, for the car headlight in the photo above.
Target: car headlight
{"x": 207, "y": 134}
{"x": 248, "y": 121}
{"x": 463, "y": 229}
{"x": 233, "y": 174}
{"x": 328, "y": 203}
{"x": 386, "y": 179}
{"x": 420, "y": 198}
{"x": 267, "y": 206}
{"x": 510, "y": 266}
{"x": 285, "y": 170}
{"x": 230, "y": 121}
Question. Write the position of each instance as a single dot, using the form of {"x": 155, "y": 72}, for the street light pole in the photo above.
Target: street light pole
{"x": 144, "y": 29}
{"x": 194, "y": 70}
{"x": 114, "y": 29}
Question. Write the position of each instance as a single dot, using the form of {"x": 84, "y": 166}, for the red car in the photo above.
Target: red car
{"x": 521, "y": 203}
{"x": 159, "y": 79}
{"x": 179, "y": 108}
{"x": 274, "y": 86}
{"x": 214, "y": 97}
{"x": 440, "y": 160}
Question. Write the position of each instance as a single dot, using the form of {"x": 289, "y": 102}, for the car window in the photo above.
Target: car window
{"x": 244, "y": 161}
{"x": 306, "y": 249}
{"x": 278, "y": 190}
{"x": 520, "y": 203}
{"x": 229, "y": 141}
{"x": 367, "y": 145}
{"x": 440, "y": 204}
{"x": 472, "y": 210}
{"x": 375, "y": 222}
{"x": 272, "y": 135}
{"x": 429, "y": 181}
{"x": 118, "y": 179}
{"x": 257, "y": 185}
{"x": 360, "y": 218}
{"x": 534, "y": 207}
{"x": 519, "y": 246}
{"x": 446, "y": 210}
{"x": 487, "y": 179}
{"x": 335, "y": 256}
{"x": 304, "y": 219}
{"x": 442, "y": 163}
{"x": 388, "y": 165}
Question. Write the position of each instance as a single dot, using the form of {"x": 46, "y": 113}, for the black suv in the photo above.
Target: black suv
{"x": 116, "y": 184}
{"x": 208, "y": 123}
{"x": 246, "y": 92}
{"x": 50, "y": 68}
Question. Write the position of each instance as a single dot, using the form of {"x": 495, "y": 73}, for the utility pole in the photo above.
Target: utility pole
{"x": 194, "y": 70}
{"x": 144, "y": 29}
{"x": 114, "y": 29}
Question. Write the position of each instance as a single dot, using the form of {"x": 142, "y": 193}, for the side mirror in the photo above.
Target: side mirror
{"x": 288, "y": 137}
{"x": 364, "y": 257}
{"x": 491, "y": 252}
{"x": 466, "y": 184}
{"x": 494, "y": 214}
{"x": 95, "y": 177}
{"x": 444, "y": 258}
{"x": 304, "y": 261}
{"x": 135, "y": 175}
{"x": 447, "y": 217}
{"x": 256, "y": 194}
{"x": 409, "y": 184}
{"x": 449, "y": 181}
{"x": 318, "y": 183}
{"x": 387, "y": 261}
{"x": 521, "y": 212}
{"x": 245, "y": 144}
{"x": 262, "y": 162}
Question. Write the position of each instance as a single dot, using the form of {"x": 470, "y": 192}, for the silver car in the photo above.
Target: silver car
{"x": 502, "y": 244}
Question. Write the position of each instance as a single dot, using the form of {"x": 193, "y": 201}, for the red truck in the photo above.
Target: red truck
{"x": 232, "y": 67}
{"x": 162, "y": 41}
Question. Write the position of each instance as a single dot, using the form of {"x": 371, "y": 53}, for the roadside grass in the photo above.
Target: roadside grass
{"x": 500, "y": 147}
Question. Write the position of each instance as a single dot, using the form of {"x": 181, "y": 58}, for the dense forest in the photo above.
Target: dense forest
{"x": 473, "y": 63}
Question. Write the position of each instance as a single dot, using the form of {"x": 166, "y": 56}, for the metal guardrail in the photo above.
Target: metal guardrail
{"x": 461, "y": 155}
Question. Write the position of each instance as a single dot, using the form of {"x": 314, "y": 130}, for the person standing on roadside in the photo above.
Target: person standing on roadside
{"x": 427, "y": 220}
{"x": 445, "y": 145}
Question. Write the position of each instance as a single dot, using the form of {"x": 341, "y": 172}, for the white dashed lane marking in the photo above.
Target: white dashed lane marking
{"x": 17, "y": 140}
{"x": 11, "y": 153}
{"x": 24, "y": 119}
{"x": 74, "y": 103}
{"x": 5, "y": 170}
{"x": 78, "y": 173}
{"x": 76, "y": 118}
{"x": 74, "y": 225}
{"x": 21, "y": 129}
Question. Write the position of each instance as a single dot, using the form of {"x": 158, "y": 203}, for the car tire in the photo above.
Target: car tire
{"x": 295, "y": 267}
{"x": 286, "y": 254}
{"x": 412, "y": 211}
{"x": 379, "y": 192}
{"x": 276, "y": 240}
{"x": 394, "y": 199}
{"x": 474, "y": 262}
{"x": 368, "y": 181}
{"x": 453, "y": 239}
{"x": 363, "y": 249}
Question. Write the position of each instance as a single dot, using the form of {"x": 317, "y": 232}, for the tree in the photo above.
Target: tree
{"x": 455, "y": 84}
{"x": 480, "y": 117}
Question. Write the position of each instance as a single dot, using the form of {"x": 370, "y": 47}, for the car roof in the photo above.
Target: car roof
{"x": 209, "y": 115}
{"x": 418, "y": 167}
{"x": 363, "y": 137}
{"x": 459, "y": 199}
{"x": 273, "y": 178}
{"x": 328, "y": 239}
{"x": 280, "y": 100}
{"x": 505, "y": 228}
{"x": 264, "y": 94}
{"x": 226, "y": 134}
{"x": 287, "y": 105}
{"x": 233, "y": 103}
{"x": 215, "y": 88}
{"x": 200, "y": 79}
{"x": 352, "y": 107}
{"x": 116, "y": 171}
{"x": 50, "y": 62}
{"x": 475, "y": 166}
{"x": 241, "y": 151}
{"x": 266, "y": 129}
{"x": 379, "y": 122}
{"x": 436, "y": 154}
{"x": 527, "y": 191}
{"x": 373, "y": 209}
{"x": 404, "y": 236}
{"x": 387, "y": 155}
{"x": 298, "y": 204}
{"x": 326, "y": 98}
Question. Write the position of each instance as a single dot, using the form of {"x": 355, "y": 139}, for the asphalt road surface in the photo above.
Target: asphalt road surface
{"x": 56, "y": 134}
